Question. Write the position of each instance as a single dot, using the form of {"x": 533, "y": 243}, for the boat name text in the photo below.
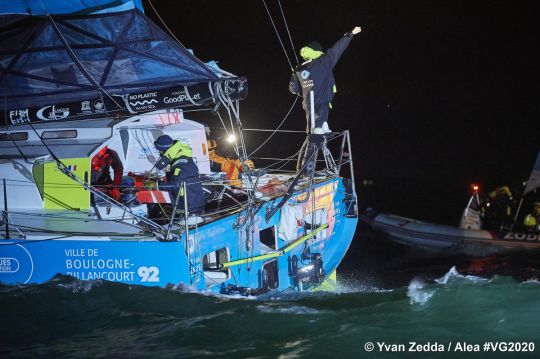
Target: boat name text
{"x": 531, "y": 237}
{"x": 85, "y": 264}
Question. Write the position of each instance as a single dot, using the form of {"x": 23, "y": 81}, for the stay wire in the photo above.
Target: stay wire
{"x": 163, "y": 23}
{"x": 278, "y": 36}
{"x": 288, "y": 32}
{"x": 277, "y": 129}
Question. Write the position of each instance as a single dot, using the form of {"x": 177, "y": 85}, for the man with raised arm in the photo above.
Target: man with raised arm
{"x": 316, "y": 75}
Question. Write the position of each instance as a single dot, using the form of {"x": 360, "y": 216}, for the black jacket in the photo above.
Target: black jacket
{"x": 317, "y": 74}
{"x": 184, "y": 169}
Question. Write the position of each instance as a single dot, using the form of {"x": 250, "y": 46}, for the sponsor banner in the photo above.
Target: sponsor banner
{"x": 132, "y": 103}
{"x": 131, "y": 262}
{"x": 56, "y": 112}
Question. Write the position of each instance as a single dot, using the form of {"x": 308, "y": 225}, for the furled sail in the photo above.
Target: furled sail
{"x": 62, "y": 67}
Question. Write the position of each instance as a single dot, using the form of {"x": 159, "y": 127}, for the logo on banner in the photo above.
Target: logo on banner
{"x": 99, "y": 106}
{"x": 51, "y": 113}
{"x": 182, "y": 97}
{"x": 143, "y": 99}
{"x": 16, "y": 264}
{"x": 9, "y": 265}
{"x": 19, "y": 116}
{"x": 85, "y": 106}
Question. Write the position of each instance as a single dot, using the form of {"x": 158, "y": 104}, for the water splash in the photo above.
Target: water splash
{"x": 454, "y": 274}
{"x": 417, "y": 292}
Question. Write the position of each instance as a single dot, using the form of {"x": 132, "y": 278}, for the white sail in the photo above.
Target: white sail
{"x": 534, "y": 179}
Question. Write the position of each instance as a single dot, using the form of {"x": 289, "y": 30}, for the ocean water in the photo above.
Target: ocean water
{"x": 426, "y": 305}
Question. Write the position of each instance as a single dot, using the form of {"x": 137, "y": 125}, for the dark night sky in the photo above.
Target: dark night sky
{"x": 442, "y": 92}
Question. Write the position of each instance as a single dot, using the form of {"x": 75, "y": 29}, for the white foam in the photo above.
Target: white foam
{"x": 185, "y": 288}
{"x": 82, "y": 286}
{"x": 417, "y": 293}
{"x": 287, "y": 309}
{"x": 453, "y": 273}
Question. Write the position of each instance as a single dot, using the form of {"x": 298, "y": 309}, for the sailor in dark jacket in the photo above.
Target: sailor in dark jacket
{"x": 177, "y": 159}
{"x": 315, "y": 74}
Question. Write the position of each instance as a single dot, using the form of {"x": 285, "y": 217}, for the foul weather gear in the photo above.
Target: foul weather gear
{"x": 180, "y": 167}
{"x": 231, "y": 167}
{"x": 102, "y": 163}
{"x": 316, "y": 75}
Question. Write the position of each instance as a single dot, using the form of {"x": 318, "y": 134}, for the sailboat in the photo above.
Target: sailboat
{"x": 76, "y": 79}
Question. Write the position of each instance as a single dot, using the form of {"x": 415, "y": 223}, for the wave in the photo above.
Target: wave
{"x": 453, "y": 274}
{"x": 69, "y": 318}
{"x": 417, "y": 292}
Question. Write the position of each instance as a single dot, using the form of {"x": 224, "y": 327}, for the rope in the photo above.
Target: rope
{"x": 163, "y": 23}
{"x": 288, "y": 32}
{"x": 277, "y": 34}
{"x": 277, "y": 129}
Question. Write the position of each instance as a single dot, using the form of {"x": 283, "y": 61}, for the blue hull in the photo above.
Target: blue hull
{"x": 218, "y": 257}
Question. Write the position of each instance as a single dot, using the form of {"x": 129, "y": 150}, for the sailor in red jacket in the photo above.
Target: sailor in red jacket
{"x": 101, "y": 172}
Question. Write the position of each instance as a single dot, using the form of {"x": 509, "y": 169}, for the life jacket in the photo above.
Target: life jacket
{"x": 101, "y": 164}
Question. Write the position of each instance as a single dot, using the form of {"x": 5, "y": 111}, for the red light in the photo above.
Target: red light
{"x": 475, "y": 187}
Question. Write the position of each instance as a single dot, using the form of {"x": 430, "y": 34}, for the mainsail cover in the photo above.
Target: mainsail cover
{"x": 56, "y": 7}
{"x": 534, "y": 180}
{"x": 65, "y": 67}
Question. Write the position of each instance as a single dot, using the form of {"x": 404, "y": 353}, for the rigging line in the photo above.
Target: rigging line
{"x": 79, "y": 64}
{"x": 283, "y": 165}
{"x": 277, "y": 34}
{"x": 239, "y": 124}
{"x": 5, "y": 106}
{"x": 282, "y": 131}
{"x": 288, "y": 32}
{"x": 285, "y": 160}
{"x": 18, "y": 148}
{"x": 277, "y": 129}
{"x": 221, "y": 97}
{"x": 223, "y": 123}
{"x": 163, "y": 23}
{"x": 27, "y": 241}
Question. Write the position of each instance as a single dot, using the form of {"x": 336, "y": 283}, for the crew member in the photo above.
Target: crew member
{"x": 218, "y": 163}
{"x": 531, "y": 221}
{"x": 231, "y": 167}
{"x": 316, "y": 75}
{"x": 498, "y": 209}
{"x": 177, "y": 159}
{"x": 102, "y": 163}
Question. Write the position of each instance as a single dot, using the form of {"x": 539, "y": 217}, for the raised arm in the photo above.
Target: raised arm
{"x": 334, "y": 53}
